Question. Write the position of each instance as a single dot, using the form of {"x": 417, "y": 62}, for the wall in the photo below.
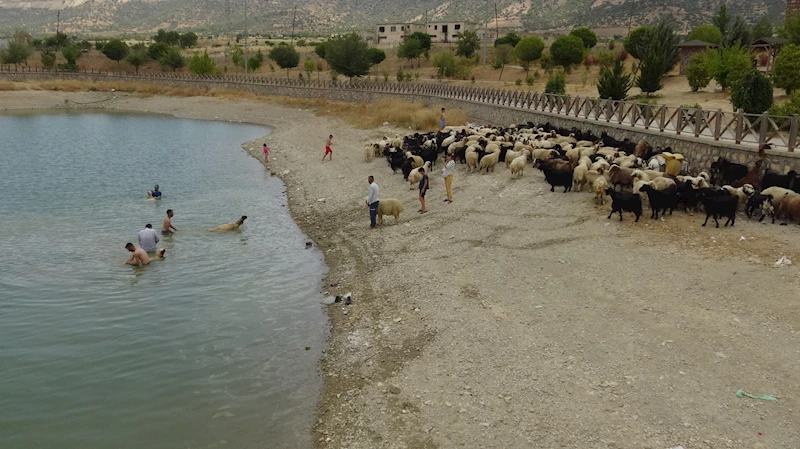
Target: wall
{"x": 699, "y": 153}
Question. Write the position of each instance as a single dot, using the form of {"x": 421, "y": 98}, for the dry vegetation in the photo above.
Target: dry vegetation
{"x": 399, "y": 113}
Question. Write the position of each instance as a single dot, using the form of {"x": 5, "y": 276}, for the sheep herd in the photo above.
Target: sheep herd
{"x": 631, "y": 173}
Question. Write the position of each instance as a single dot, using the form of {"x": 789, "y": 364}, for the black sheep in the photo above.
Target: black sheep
{"x": 719, "y": 206}
{"x": 557, "y": 177}
{"x": 772, "y": 179}
{"x": 727, "y": 172}
{"x": 660, "y": 200}
{"x": 406, "y": 168}
{"x": 687, "y": 195}
{"x": 625, "y": 201}
{"x": 756, "y": 203}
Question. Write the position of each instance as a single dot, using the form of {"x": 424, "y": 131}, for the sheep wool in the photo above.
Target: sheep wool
{"x": 390, "y": 206}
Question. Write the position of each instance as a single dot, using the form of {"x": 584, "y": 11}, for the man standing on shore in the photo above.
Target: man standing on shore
{"x": 328, "y": 150}
{"x": 148, "y": 238}
{"x": 372, "y": 202}
{"x": 166, "y": 227}
{"x": 447, "y": 174}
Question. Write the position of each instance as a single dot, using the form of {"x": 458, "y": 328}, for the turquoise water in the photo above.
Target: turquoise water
{"x": 205, "y": 349}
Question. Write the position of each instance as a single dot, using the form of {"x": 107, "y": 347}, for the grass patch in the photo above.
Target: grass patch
{"x": 396, "y": 112}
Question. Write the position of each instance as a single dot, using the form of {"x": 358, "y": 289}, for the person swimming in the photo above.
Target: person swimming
{"x": 154, "y": 194}
{"x": 167, "y": 228}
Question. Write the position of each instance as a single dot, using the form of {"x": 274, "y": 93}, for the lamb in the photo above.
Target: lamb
{"x": 739, "y": 193}
{"x": 518, "y": 164}
{"x": 579, "y": 178}
{"x": 557, "y": 177}
{"x": 592, "y": 175}
{"x": 489, "y": 161}
{"x": 600, "y": 185}
{"x": 660, "y": 200}
{"x": 390, "y": 206}
{"x": 720, "y": 206}
{"x": 371, "y": 150}
{"x": 619, "y": 176}
{"x": 601, "y": 164}
{"x": 415, "y": 176}
{"x": 510, "y": 156}
{"x": 761, "y": 203}
{"x": 586, "y": 162}
{"x": 624, "y": 201}
{"x": 230, "y": 226}
{"x": 472, "y": 160}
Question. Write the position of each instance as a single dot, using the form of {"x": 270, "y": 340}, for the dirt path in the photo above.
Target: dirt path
{"x": 516, "y": 317}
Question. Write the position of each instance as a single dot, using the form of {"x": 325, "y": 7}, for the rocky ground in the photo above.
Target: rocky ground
{"x": 516, "y": 317}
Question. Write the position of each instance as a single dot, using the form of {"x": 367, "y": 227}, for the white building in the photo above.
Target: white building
{"x": 394, "y": 33}
{"x": 448, "y": 31}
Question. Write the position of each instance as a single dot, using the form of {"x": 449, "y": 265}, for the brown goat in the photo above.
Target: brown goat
{"x": 753, "y": 177}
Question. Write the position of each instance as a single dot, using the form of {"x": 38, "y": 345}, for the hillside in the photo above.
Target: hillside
{"x": 325, "y": 16}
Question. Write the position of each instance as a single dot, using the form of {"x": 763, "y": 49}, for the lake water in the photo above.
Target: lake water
{"x": 205, "y": 349}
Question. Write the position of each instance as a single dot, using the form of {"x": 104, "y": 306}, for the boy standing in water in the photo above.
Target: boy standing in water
{"x": 154, "y": 194}
{"x": 266, "y": 153}
{"x": 328, "y": 150}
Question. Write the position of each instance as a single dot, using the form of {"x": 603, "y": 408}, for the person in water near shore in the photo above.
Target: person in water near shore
{"x": 167, "y": 228}
{"x": 266, "y": 153}
{"x": 442, "y": 120}
{"x": 140, "y": 257}
{"x": 148, "y": 238}
{"x": 373, "y": 201}
{"x": 423, "y": 188}
{"x": 328, "y": 150}
{"x": 154, "y": 194}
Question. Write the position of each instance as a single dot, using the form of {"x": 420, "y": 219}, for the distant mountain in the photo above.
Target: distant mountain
{"x": 326, "y": 16}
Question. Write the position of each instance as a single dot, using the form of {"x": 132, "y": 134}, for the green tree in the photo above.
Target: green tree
{"x": 697, "y": 72}
{"x": 309, "y": 66}
{"x": 85, "y": 45}
{"x": 202, "y": 64}
{"x": 187, "y": 40}
{"x": 423, "y": 38}
{"x": 71, "y": 53}
{"x": 170, "y": 38}
{"x": 503, "y": 54}
{"x": 156, "y": 51}
{"x": 567, "y": 51}
{"x": 137, "y": 59}
{"x": 349, "y": 55}
{"x": 529, "y": 49}
{"x": 614, "y": 83}
{"x": 791, "y": 29}
{"x": 634, "y": 40}
{"x": 706, "y": 33}
{"x": 659, "y": 53}
{"x": 48, "y": 58}
{"x": 445, "y": 64}
{"x": 376, "y": 55}
{"x": 763, "y": 28}
{"x": 728, "y": 65}
{"x": 254, "y": 62}
{"x": 468, "y": 44}
{"x": 739, "y": 33}
{"x": 511, "y": 39}
{"x": 56, "y": 41}
{"x": 586, "y": 35}
{"x": 321, "y": 49}
{"x": 98, "y": 45}
{"x": 410, "y": 49}
{"x": 556, "y": 83}
{"x": 23, "y": 36}
{"x": 752, "y": 93}
{"x": 17, "y": 51}
{"x": 237, "y": 56}
{"x": 286, "y": 57}
{"x": 721, "y": 19}
{"x": 786, "y": 72}
{"x": 115, "y": 50}
{"x": 172, "y": 59}
{"x": 789, "y": 108}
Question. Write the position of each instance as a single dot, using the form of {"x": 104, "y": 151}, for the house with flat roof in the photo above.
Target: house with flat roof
{"x": 394, "y": 33}
{"x": 448, "y": 31}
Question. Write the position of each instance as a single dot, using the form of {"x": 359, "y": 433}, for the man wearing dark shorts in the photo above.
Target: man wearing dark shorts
{"x": 167, "y": 228}
{"x": 423, "y": 188}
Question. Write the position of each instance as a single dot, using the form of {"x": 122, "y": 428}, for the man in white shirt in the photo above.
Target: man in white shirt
{"x": 372, "y": 202}
{"x": 148, "y": 238}
{"x": 447, "y": 174}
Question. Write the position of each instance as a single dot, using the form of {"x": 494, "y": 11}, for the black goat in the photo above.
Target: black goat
{"x": 772, "y": 179}
{"x": 406, "y": 168}
{"x": 660, "y": 199}
{"x": 625, "y": 201}
{"x": 756, "y": 202}
{"x": 557, "y": 177}
{"x": 719, "y": 206}
{"x": 726, "y": 172}
{"x": 687, "y": 195}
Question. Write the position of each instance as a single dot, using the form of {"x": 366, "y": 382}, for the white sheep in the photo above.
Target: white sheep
{"x": 661, "y": 183}
{"x": 416, "y": 161}
{"x": 601, "y": 163}
{"x": 472, "y": 159}
{"x": 592, "y": 175}
{"x": 415, "y": 176}
{"x": 579, "y": 178}
{"x": 489, "y": 161}
{"x": 511, "y": 155}
{"x": 738, "y": 193}
{"x": 600, "y": 185}
{"x": 518, "y": 164}
{"x": 390, "y": 206}
{"x": 368, "y": 150}
{"x": 541, "y": 154}
{"x": 573, "y": 154}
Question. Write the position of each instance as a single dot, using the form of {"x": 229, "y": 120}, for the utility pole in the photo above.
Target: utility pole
{"x": 485, "y": 35}
{"x": 245, "y": 38}
{"x": 630, "y": 16}
{"x": 58, "y": 22}
{"x": 294, "y": 15}
{"x": 496, "y": 22}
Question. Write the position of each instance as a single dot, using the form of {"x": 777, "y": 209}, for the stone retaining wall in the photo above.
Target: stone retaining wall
{"x": 699, "y": 154}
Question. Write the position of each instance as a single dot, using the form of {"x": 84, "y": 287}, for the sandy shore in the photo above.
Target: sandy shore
{"x": 516, "y": 317}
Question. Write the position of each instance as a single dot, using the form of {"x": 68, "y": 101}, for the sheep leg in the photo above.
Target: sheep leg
{"x": 566, "y": 188}
{"x": 705, "y": 222}
{"x": 637, "y": 217}
{"x": 620, "y": 215}
{"x": 610, "y": 214}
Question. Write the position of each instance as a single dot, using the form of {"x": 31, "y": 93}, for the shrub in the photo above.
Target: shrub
{"x": 728, "y": 64}
{"x": 309, "y": 66}
{"x": 567, "y": 50}
{"x": 321, "y": 49}
{"x": 586, "y": 35}
{"x": 605, "y": 58}
{"x": 71, "y": 53}
{"x": 530, "y": 79}
{"x": 301, "y": 42}
{"x": 48, "y": 59}
{"x": 697, "y": 72}
{"x": 400, "y": 75}
{"x": 789, "y": 108}
{"x": 589, "y": 60}
{"x": 786, "y": 73}
{"x": 468, "y": 43}
{"x": 156, "y": 51}
{"x": 518, "y": 82}
{"x": 707, "y": 33}
{"x": 752, "y": 93}
{"x": 202, "y": 64}
{"x": 17, "y": 51}
{"x": 98, "y": 45}
{"x": 623, "y": 55}
{"x": 172, "y": 59}
{"x": 556, "y": 83}
{"x": 546, "y": 61}
{"x": 376, "y": 55}
{"x": 528, "y": 50}
{"x": 463, "y": 70}
{"x": 614, "y": 83}
{"x": 611, "y": 45}
{"x": 511, "y": 39}
{"x": 445, "y": 64}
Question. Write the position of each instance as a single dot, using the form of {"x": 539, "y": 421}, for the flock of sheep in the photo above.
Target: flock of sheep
{"x": 631, "y": 173}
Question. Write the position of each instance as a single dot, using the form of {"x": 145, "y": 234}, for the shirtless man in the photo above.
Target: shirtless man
{"x": 167, "y": 228}
{"x": 442, "y": 120}
{"x": 139, "y": 256}
{"x": 328, "y": 150}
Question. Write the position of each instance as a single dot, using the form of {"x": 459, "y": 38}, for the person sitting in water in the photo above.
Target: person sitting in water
{"x": 140, "y": 257}
{"x": 148, "y": 238}
{"x": 167, "y": 228}
{"x": 154, "y": 194}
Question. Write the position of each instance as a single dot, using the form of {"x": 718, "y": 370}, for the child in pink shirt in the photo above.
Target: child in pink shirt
{"x": 266, "y": 153}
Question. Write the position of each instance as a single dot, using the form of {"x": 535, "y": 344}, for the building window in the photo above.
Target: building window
{"x": 393, "y": 29}
{"x": 458, "y": 26}
{"x": 381, "y": 29}
{"x": 402, "y": 28}
{"x": 455, "y": 36}
{"x": 436, "y": 27}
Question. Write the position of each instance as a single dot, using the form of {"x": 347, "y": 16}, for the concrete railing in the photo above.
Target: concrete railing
{"x": 738, "y": 128}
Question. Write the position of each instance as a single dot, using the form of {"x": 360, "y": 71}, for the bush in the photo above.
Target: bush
{"x": 172, "y": 59}
{"x": 589, "y": 60}
{"x": 202, "y": 64}
{"x": 786, "y": 73}
{"x": 728, "y": 64}
{"x": 376, "y": 55}
{"x": 48, "y": 59}
{"x": 156, "y": 51}
{"x": 752, "y": 93}
{"x": 17, "y": 51}
{"x": 556, "y": 83}
{"x": 530, "y": 79}
{"x": 115, "y": 50}
{"x": 567, "y": 51}
{"x": 707, "y": 33}
{"x": 301, "y": 42}
{"x": 445, "y": 64}
{"x": 518, "y": 82}
{"x": 511, "y": 39}
{"x": 697, "y": 72}
{"x": 605, "y": 58}
{"x": 613, "y": 83}
{"x": 321, "y": 49}
{"x": 546, "y": 61}
{"x": 71, "y": 53}
{"x": 789, "y": 108}
{"x": 586, "y": 35}
{"x": 623, "y": 55}
{"x": 98, "y": 45}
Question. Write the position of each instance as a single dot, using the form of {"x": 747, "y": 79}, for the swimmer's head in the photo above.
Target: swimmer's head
{"x": 170, "y": 213}
{"x": 130, "y": 247}
{"x": 156, "y": 187}
{"x": 148, "y": 226}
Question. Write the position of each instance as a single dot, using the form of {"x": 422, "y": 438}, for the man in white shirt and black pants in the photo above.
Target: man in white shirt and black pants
{"x": 372, "y": 202}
